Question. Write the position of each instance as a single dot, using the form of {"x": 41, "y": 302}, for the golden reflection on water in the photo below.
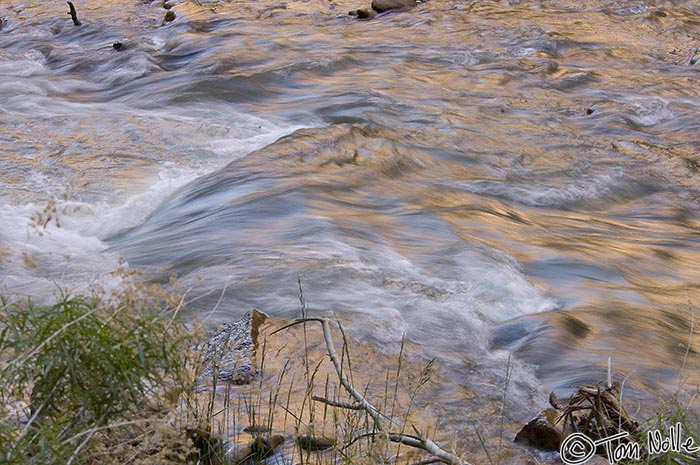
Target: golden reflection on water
{"x": 560, "y": 133}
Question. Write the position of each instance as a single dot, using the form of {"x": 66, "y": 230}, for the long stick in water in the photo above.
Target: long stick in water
{"x": 73, "y": 14}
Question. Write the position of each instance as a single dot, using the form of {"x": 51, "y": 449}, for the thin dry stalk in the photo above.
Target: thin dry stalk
{"x": 412, "y": 441}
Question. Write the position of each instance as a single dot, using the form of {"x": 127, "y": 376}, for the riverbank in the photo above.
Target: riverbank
{"x": 125, "y": 382}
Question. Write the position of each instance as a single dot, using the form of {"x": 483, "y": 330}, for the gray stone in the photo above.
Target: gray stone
{"x": 229, "y": 353}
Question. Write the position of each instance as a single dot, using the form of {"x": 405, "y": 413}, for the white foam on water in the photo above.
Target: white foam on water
{"x": 24, "y": 64}
{"x": 51, "y": 246}
{"x": 648, "y": 111}
{"x": 554, "y": 190}
{"x": 39, "y": 257}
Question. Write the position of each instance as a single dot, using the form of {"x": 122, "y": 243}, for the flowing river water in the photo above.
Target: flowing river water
{"x": 487, "y": 177}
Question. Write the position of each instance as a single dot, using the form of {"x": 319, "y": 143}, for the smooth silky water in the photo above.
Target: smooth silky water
{"x": 486, "y": 177}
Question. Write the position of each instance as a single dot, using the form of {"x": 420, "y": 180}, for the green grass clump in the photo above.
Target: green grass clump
{"x": 671, "y": 414}
{"x": 85, "y": 377}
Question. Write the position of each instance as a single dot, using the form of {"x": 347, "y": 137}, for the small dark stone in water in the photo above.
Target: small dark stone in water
{"x": 169, "y": 16}
{"x": 118, "y": 46}
{"x": 541, "y": 431}
{"x": 308, "y": 442}
{"x": 253, "y": 429}
{"x": 364, "y": 13}
{"x": 693, "y": 164}
{"x": 206, "y": 443}
{"x": 590, "y": 111}
{"x": 261, "y": 448}
{"x": 381, "y": 6}
{"x": 167, "y": 5}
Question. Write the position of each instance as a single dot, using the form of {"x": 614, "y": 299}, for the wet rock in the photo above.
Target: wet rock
{"x": 262, "y": 448}
{"x": 541, "y": 431}
{"x": 208, "y": 446}
{"x": 169, "y": 16}
{"x": 230, "y": 352}
{"x": 118, "y": 46}
{"x": 259, "y": 449}
{"x": 313, "y": 443}
{"x": 363, "y": 13}
{"x": 381, "y": 6}
{"x": 592, "y": 410}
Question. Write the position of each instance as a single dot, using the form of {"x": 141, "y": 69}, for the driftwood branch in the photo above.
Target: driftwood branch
{"x": 428, "y": 446}
{"x": 73, "y": 14}
{"x": 334, "y": 403}
{"x": 362, "y": 404}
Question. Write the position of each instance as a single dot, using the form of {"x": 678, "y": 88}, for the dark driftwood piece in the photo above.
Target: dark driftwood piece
{"x": 73, "y": 14}
{"x": 599, "y": 413}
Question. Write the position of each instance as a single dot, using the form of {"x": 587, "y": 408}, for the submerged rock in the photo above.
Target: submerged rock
{"x": 541, "y": 432}
{"x": 263, "y": 447}
{"x": 380, "y": 6}
{"x": 694, "y": 56}
{"x": 363, "y": 13}
{"x": 313, "y": 443}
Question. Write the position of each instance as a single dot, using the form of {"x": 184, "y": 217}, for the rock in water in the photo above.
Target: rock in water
{"x": 381, "y": 6}
{"x": 229, "y": 354}
{"x": 313, "y": 443}
{"x": 541, "y": 431}
{"x": 364, "y": 13}
{"x": 262, "y": 448}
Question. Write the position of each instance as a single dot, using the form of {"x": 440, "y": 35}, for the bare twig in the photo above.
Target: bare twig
{"x": 77, "y": 450}
{"x": 428, "y": 446}
{"x": 336, "y": 403}
{"x": 369, "y": 408}
{"x": 362, "y": 403}
{"x": 120, "y": 424}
